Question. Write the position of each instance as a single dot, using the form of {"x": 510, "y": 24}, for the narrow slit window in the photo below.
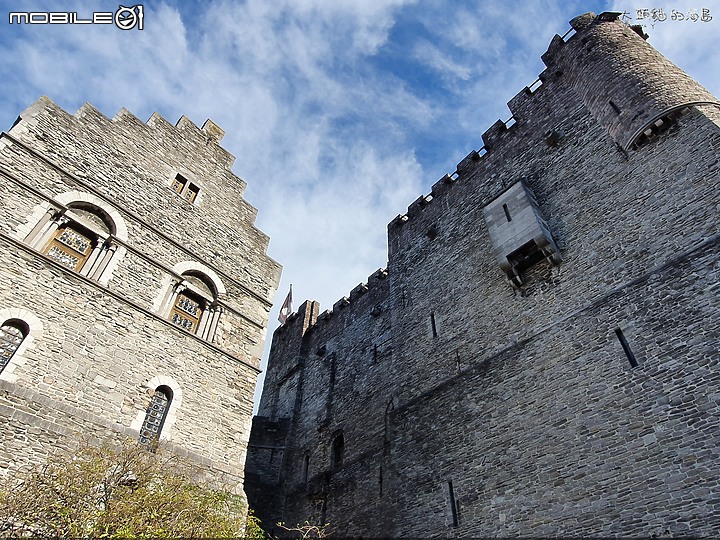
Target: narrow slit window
{"x": 615, "y": 107}
{"x": 453, "y": 504}
{"x": 507, "y": 213}
{"x": 433, "y": 324}
{"x": 626, "y": 347}
{"x": 380, "y": 481}
{"x": 305, "y": 469}
{"x": 338, "y": 450}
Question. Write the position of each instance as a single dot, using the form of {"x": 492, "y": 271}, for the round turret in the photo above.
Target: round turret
{"x": 628, "y": 86}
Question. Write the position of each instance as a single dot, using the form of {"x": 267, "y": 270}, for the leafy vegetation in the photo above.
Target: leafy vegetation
{"x": 121, "y": 492}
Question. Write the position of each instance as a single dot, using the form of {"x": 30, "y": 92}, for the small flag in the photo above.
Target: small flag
{"x": 286, "y": 308}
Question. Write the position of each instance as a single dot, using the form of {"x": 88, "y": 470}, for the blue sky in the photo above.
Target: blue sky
{"x": 340, "y": 113}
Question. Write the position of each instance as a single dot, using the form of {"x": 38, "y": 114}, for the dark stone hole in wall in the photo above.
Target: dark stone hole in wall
{"x": 527, "y": 255}
{"x": 659, "y": 126}
{"x": 626, "y": 347}
{"x": 338, "y": 450}
{"x": 306, "y": 469}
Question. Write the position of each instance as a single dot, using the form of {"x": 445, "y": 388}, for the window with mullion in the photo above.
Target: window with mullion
{"x": 69, "y": 247}
{"x": 186, "y": 312}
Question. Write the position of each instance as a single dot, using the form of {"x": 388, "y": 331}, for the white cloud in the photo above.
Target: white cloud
{"x": 340, "y": 113}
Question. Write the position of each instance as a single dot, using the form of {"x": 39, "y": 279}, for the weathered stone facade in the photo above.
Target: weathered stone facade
{"x": 111, "y": 229}
{"x": 557, "y": 377}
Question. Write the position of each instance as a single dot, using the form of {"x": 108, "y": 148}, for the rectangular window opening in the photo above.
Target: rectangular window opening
{"x": 179, "y": 184}
{"x": 626, "y": 347}
{"x": 191, "y": 193}
{"x": 453, "y": 504}
{"x": 186, "y": 189}
{"x": 507, "y": 213}
{"x": 434, "y": 326}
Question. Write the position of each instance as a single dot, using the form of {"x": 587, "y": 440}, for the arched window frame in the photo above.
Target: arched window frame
{"x": 12, "y": 334}
{"x": 181, "y": 289}
{"x": 149, "y": 388}
{"x": 33, "y": 328}
{"x": 155, "y": 415}
{"x": 44, "y": 229}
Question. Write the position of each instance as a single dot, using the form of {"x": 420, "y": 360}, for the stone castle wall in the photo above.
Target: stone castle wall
{"x": 99, "y": 345}
{"x": 506, "y": 410}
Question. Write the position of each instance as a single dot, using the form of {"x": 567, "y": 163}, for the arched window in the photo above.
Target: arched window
{"x": 192, "y": 302}
{"x": 155, "y": 415}
{"x": 12, "y": 334}
{"x": 338, "y": 449}
{"x": 78, "y": 231}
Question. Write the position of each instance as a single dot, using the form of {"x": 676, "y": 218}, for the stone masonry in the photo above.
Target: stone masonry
{"x": 541, "y": 355}
{"x": 132, "y": 274}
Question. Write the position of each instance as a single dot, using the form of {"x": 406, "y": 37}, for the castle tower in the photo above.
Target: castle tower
{"x": 134, "y": 288}
{"x": 631, "y": 89}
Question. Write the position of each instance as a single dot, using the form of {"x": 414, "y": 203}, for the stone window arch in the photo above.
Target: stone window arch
{"x": 19, "y": 328}
{"x": 191, "y": 300}
{"x": 155, "y": 423}
{"x": 78, "y": 231}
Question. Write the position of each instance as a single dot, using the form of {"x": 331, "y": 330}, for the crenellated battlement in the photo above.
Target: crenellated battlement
{"x": 493, "y": 141}
{"x": 301, "y": 319}
{"x": 591, "y": 44}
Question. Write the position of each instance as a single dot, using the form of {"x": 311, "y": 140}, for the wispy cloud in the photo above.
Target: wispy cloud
{"x": 340, "y": 113}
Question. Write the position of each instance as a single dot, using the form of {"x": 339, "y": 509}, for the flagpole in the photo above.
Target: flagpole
{"x": 286, "y": 309}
